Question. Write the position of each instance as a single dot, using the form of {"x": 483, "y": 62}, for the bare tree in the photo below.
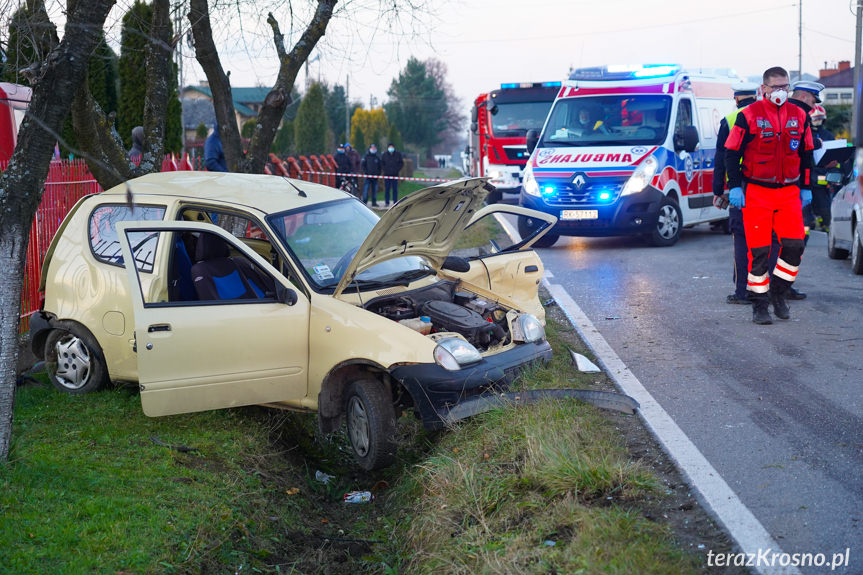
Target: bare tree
{"x": 55, "y": 82}
{"x": 270, "y": 115}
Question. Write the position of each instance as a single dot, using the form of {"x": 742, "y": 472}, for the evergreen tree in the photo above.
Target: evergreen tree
{"x": 334, "y": 100}
{"x": 283, "y": 143}
{"x": 31, "y": 36}
{"x": 133, "y": 55}
{"x": 310, "y": 127}
{"x": 418, "y": 106}
{"x": 394, "y": 137}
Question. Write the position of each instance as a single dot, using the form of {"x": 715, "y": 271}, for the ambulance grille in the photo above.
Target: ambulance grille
{"x": 565, "y": 193}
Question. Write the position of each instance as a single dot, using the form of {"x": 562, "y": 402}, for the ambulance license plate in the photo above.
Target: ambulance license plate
{"x": 579, "y": 214}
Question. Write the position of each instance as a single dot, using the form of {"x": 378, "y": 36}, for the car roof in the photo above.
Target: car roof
{"x": 264, "y": 192}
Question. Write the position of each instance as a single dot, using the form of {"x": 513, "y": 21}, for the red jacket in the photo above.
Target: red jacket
{"x": 775, "y": 143}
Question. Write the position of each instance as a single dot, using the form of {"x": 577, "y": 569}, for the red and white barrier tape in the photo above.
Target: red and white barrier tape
{"x": 378, "y": 177}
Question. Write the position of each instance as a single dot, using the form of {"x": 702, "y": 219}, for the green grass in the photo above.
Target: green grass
{"x": 547, "y": 488}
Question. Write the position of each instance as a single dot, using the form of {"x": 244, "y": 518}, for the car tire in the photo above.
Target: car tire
{"x": 74, "y": 361}
{"x": 857, "y": 252}
{"x": 833, "y": 252}
{"x": 371, "y": 423}
{"x": 669, "y": 222}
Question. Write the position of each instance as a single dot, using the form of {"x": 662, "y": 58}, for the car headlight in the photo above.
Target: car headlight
{"x": 531, "y": 187}
{"x": 528, "y": 329}
{"x": 452, "y": 353}
{"x": 641, "y": 177}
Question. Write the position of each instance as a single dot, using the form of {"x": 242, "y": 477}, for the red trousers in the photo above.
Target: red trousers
{"x": 769, "y": 210}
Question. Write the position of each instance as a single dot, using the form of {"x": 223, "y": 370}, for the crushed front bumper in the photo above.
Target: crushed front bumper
{"x": 435, "y": 389}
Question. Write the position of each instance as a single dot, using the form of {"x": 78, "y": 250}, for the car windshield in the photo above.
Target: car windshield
{"x": 607, "y": 120}
{"x": 515, "y": 119}
{"x": 324, "y": 238}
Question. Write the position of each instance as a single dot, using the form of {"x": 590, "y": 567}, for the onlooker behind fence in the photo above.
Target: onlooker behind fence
{"x": 214, "y": 154}
{"x": 392, "y": 164}
{"x": 354, "y": 157}
{"x": 343, "y": 165}
{"x": 371, "y": 165}
{"x": 137, "y": 144}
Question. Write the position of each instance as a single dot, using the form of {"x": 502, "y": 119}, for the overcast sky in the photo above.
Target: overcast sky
{"x": 487, "y": 42}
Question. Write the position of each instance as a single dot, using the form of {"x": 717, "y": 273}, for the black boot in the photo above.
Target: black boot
{"x": 760, "y": 314}
{"x": 780, "y": 306}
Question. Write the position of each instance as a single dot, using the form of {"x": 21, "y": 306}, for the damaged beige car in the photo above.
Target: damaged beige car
{"x": 251, "y": 289}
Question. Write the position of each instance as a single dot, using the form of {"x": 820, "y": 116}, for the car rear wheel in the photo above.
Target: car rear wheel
{"x": 857, "y": 252}
{"x": 833, "y": 252}
{"x": 371, "y": 423}
{"x": 668, "y": 224}
{"x": 74, "y": 361}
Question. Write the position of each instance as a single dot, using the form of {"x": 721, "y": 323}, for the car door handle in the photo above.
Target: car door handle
{"x": 159, "y": 327}
{"x": 531, "y": 269}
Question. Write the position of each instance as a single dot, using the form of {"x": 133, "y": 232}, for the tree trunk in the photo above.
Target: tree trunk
{"x": 276, "y": 101}
{"x": 100, "y": 144}
{"x": 22, "y": 184}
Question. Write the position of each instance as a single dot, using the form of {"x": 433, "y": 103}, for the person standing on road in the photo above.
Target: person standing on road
{"x": 392, "y": 164}
{"x": 214, "y": 154}
{"x": 343, "y": 166}
{"x": 744, "y": 94}
{"x": 772, "y": 198}
{"x": 371, "y": 165}
{"x": 354, "y": 157}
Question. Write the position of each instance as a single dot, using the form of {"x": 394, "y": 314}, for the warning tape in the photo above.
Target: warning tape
{"x": 377, "y": 177}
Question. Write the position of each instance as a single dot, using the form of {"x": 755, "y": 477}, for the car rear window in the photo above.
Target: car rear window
{"x": 103, "y": 234}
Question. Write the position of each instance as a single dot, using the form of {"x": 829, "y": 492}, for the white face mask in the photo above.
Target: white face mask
{"x": 391, "y": 150}
{"x": 778, "y": 97}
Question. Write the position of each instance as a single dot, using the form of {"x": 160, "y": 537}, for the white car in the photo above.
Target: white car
{"x": 846, "y": 224}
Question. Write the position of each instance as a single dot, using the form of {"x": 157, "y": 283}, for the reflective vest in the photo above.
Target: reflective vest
{"x": 773, "y": 156}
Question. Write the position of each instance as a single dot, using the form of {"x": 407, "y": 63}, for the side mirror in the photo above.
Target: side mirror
{"x": 686, "y": 141}
{"x": 285, "y": 295}
{"x": 474, "y": 127}
{"x": 456, "y": 264}
{"x": 493, "y": 109}
{"x": 474, "y": 115}
{"x": 532, "y": 140}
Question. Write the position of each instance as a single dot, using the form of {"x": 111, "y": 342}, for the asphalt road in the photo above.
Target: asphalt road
{"x": 778, "y": 409}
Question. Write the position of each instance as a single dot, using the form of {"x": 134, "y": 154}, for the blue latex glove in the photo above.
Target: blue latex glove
{"x": 805, "y": 197}
{"x": 736, "y": 199}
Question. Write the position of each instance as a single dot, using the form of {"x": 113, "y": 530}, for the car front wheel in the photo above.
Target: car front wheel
{"x": 857, "y": 252}
{"x": 371, "y": 423}
{"x": 833, "y": 252}
{"x": 668, "y": 224}
{"x": 74, "y": 361}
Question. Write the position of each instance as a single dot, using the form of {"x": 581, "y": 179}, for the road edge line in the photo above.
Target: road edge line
{"x": 716, "y": 495}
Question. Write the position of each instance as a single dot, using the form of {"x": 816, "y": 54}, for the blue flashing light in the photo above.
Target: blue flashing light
{"x": 551, "y": 84}
{"x": 656, "y": 71}
{"x": 548, "y": 190}
{"x": 624, "y": 72}
{"x": 508, "y": 86}
{"x": 604, "y": 195}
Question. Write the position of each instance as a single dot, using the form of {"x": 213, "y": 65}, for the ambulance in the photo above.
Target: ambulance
{"x": 628, "y": 150}
{"x": 14, "y": 101}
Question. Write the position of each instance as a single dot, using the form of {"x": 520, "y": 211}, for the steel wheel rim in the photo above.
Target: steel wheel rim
{"x": 358, "y": 426}
{"x": 668, "y": 222}
{"x": 74, "y": 365}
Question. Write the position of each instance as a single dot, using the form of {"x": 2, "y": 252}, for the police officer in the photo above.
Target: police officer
{"x": 744, "y": 94}
{"x": 770, "y": 128}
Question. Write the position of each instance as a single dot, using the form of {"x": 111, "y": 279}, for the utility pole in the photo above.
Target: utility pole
{"x": 800, "y": 40}
{"x": 348, "y": 108}
{"x": 857, "y": 118}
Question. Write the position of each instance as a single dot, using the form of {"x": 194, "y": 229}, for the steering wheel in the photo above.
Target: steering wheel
{"x": 339, "y": 268}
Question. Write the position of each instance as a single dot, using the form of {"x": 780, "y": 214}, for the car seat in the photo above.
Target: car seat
{"x": 219, "y": 277}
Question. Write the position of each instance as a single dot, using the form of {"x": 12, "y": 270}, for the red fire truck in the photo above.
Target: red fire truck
{"x": 14, "y": 100}
{"x": 499, "y": 123}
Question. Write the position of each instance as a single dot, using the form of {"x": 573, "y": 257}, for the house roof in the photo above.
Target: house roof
{"x": 242, "y": 97}
{"x": 198, "y": 111}
{"x": 842, "y": 79}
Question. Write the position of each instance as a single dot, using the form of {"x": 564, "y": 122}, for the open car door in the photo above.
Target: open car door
{"x": 500, "y": 260}
{"x": 240, "y": 339}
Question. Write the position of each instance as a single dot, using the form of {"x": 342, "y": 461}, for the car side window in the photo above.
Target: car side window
{"x": 105, "y": 244}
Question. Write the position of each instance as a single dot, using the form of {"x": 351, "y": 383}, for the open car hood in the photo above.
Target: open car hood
{"x": 426, "y": 223}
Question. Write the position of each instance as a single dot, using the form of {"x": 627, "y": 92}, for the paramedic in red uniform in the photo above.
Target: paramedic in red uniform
{"x": 768, "y": 158}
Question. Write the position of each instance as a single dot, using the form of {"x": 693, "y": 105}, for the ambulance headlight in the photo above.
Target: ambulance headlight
{"x": 453, "y": 353}
{"x": 528, "y": 182}
{"x": 641, "y": 177}
{"x": 495, "y": 174}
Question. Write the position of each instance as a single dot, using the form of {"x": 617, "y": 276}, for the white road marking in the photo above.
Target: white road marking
{"x": 719, "y": 498}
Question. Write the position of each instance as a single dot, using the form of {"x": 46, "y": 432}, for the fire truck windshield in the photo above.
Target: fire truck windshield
{"x": 607, "y": 120}
{"x": 515, "y": 119}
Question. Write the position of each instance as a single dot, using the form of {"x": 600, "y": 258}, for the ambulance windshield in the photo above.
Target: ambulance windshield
{"x": 607, "y": 120}
{"x": 515, "y": 119}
